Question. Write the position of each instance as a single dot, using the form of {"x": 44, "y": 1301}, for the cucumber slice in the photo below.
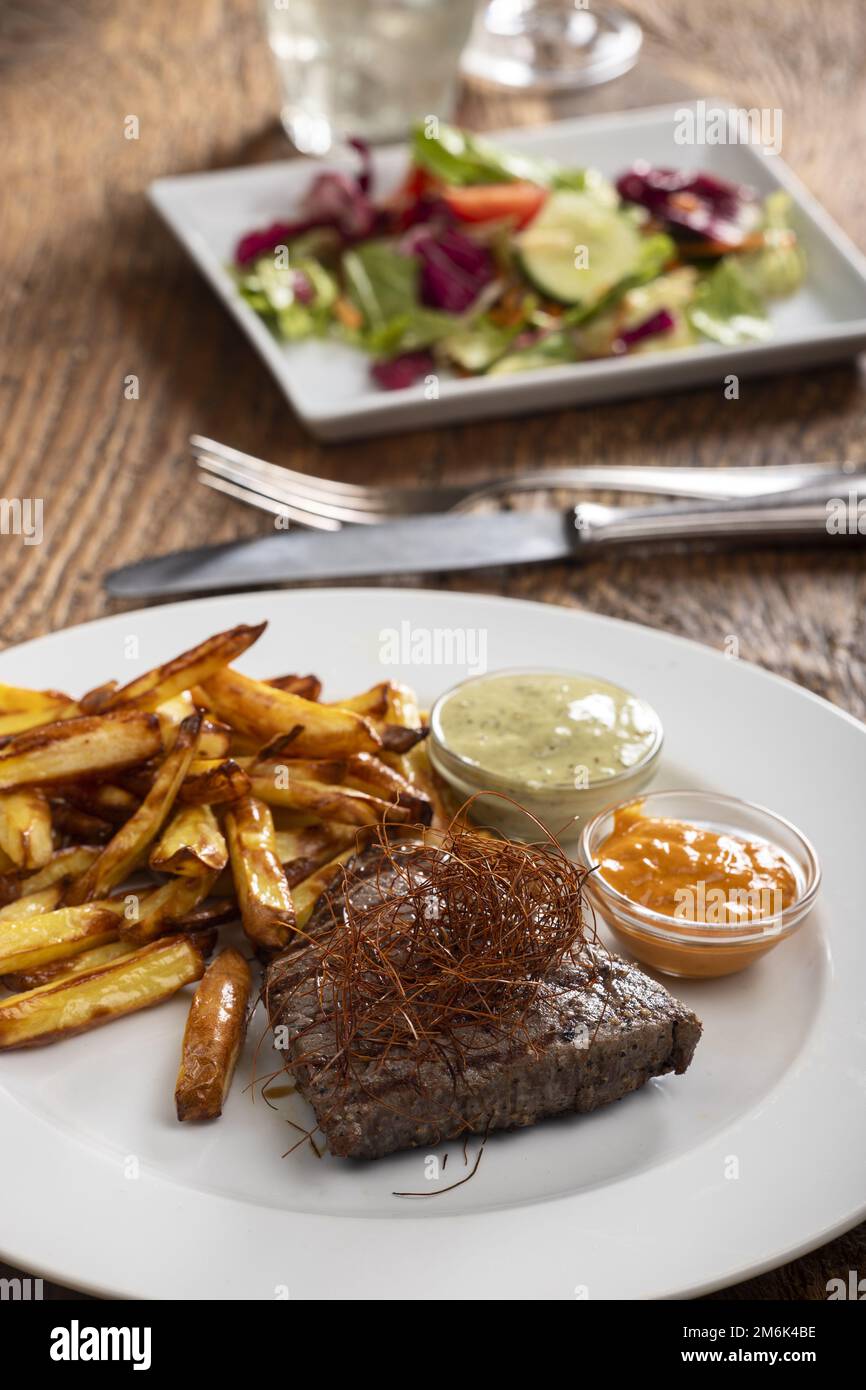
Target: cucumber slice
{"x": 576, "y": 249}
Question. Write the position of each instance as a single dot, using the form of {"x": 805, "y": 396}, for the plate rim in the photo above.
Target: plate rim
{"x": 61, "y": 1268}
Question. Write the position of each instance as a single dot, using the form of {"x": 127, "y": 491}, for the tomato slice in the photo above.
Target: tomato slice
{"x": 494, "y": 202}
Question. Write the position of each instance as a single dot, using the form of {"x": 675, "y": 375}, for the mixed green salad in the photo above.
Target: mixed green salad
{"x": 488, "y": 263}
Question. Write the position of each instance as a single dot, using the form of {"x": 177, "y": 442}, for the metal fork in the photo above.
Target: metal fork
{"x": 327, "y": 505}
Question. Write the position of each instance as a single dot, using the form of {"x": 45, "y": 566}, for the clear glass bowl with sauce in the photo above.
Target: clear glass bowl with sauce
{"x": 679, "y": 945}
{"x": 558, "y": 744}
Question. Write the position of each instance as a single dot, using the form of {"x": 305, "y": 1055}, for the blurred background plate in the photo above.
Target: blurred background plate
{"x": 328, "y": 383}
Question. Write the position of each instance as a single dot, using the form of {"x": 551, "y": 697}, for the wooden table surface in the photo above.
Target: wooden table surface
{"x": 93, "y": 288}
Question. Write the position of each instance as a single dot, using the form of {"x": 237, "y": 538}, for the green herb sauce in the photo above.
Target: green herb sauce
{"x": 544, "y": 730}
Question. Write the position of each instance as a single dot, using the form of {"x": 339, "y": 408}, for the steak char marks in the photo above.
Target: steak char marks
{"x": 597, "y": 1029}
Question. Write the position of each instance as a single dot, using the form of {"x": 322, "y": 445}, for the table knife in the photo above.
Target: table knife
{"x": 440, "y": 543}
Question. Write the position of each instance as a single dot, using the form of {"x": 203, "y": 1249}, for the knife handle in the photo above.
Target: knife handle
{"x": 806, "y": 521}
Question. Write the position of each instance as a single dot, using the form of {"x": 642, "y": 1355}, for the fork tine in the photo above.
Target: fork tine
{"x": 288, "y": 496}
{"x": 327, "y": 488}
{"x": 267, "y": 504}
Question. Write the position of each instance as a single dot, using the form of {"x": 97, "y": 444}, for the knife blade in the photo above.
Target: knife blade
{"x": 448, "y": 541}
{"x": 420, "y": 545}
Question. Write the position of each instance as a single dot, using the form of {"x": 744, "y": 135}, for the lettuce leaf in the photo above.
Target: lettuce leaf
{"x": 779, "y": 268}
{"x": 726, "y": 308}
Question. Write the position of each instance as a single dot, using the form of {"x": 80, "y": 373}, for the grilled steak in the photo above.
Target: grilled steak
{"x": 597, "y": 1029}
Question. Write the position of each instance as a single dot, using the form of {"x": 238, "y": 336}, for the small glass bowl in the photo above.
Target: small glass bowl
{"x": 675, "y": 945}
{"x": 556, "y": 807}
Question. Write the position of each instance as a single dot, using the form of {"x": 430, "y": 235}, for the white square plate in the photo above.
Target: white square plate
{"x": 328, "y": 383}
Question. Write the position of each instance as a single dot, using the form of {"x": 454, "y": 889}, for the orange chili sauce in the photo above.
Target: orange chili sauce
{"x": 709, "y": 883}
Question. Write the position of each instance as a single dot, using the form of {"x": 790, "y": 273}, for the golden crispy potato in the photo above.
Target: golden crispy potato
{"x": 33, "y": 904}
{"x": 25, "y": 828}
{"x": 191, "y": 842}
{"x": 15, "y": 698}
{"x": 20, "y": 721}
{"x": 308, "y": 892}
{"x": 213, "y": 1037}
{"x": 372, "y": 702}
{"x": 82, "y": 747}
{"x": 68, "y": 965}
{"x": 106, "y": 800}
{"x": 277, "y": 785}
{"x": 215, "y": 738}
{"x": 126, "y": 849}
{"x": 308, "y": 686}
{"x": 63, "y": 866}
{"x": 162, "y": 909}
{"x": 316, "y": 841}
{"x": 37, "y": 938}
{"x": 189, "y": 669}
{"x": 75, "y": 824}
{"x": 92, "y": 997}
{"x": 214, "y": 783}
{"x": 95, "y": 701}
{"x": 267, "y": 911}
{"x": 262, "y": 712}
{"x": 369, "y": 773}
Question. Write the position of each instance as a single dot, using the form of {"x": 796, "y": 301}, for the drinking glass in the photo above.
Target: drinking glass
{"x": 364, "y": 68}
{"x": 550, "y": 44}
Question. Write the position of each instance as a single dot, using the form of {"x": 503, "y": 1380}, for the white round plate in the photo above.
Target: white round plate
{"x": 755, "y": 1155}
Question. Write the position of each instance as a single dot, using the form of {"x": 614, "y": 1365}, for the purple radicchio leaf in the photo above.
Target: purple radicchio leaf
{"x": 399, "y": 372}
{"x": 700, "y": 204}
{"x": 662, "y": 322}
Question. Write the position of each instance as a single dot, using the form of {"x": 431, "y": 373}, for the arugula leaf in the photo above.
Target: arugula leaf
{"x": 726, "y": 308}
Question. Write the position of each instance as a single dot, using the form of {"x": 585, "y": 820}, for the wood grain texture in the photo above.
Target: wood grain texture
{"x": 93, "y": 288}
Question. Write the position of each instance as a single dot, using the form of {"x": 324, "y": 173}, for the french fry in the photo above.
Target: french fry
{"x": 82, "y": 747}
{"x": 36, "y": 939}
{"x": 63, "y": 866}
{"x": 15, "y": 698}
{"x": 308, "y": 686}
{"x": 191, "y": 842}
{"x": 214, "y": 784}
{"x": 430, "y": 784}
{"x": 20, "y": 721}
{"x": 126, "y": 849}
{"x": 92, "y": 997}
{"x": 25, "y": 828}
{"x": 369, "y": 773}
{"x": 206, "y": 915}
{"x": 68, "y": 965}
{"x": 263, "y": 712}
{"x": 308, "y": 892}
{"x": 203, "y": 938}
{"x": 401, "y": 713}
{"x": 215, "y": 738}
{"x": 278, "y": 786}
{"x": 33, "y": 904}
{"x": 103, "y": 799}
{"x": 80, "y": 825}
{"x": 267, "y": 911}
{"x": 372, "y": 702}
{"x": 164, "y": 909}
{"x": 95, "y": 701}
{"x": 317, "y": 841}
{"x": 213, "y": 1037}
{"x": 190, "y": 668}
